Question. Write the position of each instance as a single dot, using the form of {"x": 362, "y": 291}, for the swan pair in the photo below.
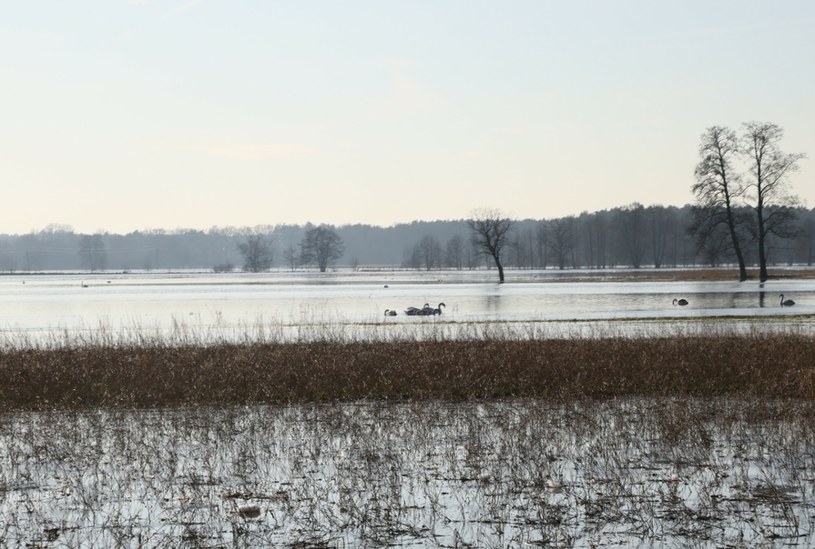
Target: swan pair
{"x": 426, "y": 310}
{"x": 784, "y": 302}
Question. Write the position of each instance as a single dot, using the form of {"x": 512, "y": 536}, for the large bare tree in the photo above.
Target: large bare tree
{"x": 490, "y": 230}
{"x": 768, "y": 188}
{"x": 718, "y": 187}
{"x": 321, "y": 245}
{"x": 257, "y": 253}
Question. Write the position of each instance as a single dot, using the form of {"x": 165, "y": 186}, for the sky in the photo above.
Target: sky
{"x": 123, "y": 115}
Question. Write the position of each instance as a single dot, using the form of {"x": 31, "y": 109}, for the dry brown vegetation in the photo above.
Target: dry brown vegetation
{"x": 678, "y": 275}
{"x": 132, "y": 375}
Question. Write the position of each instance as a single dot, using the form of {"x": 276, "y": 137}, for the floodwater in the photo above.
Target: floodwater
{"x": 511, "y": 473}
{"x": 36, "y": 306}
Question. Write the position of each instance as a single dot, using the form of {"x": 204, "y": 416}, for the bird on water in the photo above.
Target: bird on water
{"x": 414, "y": 311}
{"x": 786, "y": 303}
{"x": 682, "y": 302}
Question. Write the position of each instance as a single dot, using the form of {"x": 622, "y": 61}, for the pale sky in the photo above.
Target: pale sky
{"x": 124, "y": 115}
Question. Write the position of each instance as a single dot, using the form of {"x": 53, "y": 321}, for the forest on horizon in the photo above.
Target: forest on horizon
{"x": 633, "y": 236}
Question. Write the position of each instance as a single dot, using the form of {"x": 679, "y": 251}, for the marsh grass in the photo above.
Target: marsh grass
{"x": 186, "y": 369}
{"x": 505, "y": 473}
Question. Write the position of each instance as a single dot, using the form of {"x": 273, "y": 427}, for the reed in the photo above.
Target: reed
{"x": 158, "y": 373}
{"x": 662, "y": 472}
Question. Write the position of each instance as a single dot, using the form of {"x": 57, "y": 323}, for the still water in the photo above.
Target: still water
{"x": 34, "y": 306}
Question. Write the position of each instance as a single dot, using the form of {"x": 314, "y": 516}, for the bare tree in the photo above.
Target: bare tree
{"x": 522, "y": 249}
{"x": 490, "y": 229}
{"x": 769, "y": 189}
{"x": 560, "y": 239}
{"x": 717, "y": 187}
{"x": 662, "y": 223}
{"x": 714, "y": 246}
{"x": 430, "y": 252}
{"x": 321, "y": 246}
{"x": 291, "y": 256}
{"x": 412, "y": 257}
{"x": 257, "y": 253}
{"x": 454, "y": 252}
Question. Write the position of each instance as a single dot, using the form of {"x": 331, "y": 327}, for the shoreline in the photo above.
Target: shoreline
{"x": 516, "y": 276}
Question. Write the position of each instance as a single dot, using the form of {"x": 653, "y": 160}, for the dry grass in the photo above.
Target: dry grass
{"x": 146, "y": 375}
{"x": 680, "y": 275}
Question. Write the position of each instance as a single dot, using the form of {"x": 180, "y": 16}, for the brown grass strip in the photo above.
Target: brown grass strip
{"x": 773, "y": 366}
{"x": 677, "y": 275}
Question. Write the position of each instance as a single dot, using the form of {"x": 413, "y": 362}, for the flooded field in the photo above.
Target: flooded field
{"x": 297, "y": 305}
{"x": 512, "y": 473}
{"x": 480, "y": 467}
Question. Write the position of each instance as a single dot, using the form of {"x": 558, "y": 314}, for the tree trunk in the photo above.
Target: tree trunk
{"x": 736, "y": 246}
{"x": 500, "y": 269}
{"x": 762, "y": 255}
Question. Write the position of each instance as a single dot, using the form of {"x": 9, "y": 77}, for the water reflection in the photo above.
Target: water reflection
{"x": 621, "y": 473}
{"x": 492, "y": 303}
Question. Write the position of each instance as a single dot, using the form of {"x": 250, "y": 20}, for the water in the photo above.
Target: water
{"x": 511, "y": 473}
{"x": 42, "y": 305}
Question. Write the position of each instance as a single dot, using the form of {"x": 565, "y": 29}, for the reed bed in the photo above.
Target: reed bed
{"x": 160, "y": 373}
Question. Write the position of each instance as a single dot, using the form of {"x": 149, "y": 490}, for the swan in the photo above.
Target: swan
{"x": 787, "y": 303}
{"x": 681, "y": 302}
{"x": 437, "y": 310}
{"x": 414, "y": 311}
{"x": 390, "y": 312}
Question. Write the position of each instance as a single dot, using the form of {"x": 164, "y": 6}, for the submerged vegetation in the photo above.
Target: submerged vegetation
{"x": 500, "y": 439}
{"x": 505, "y": 473}
{"x": 158, "y": 373}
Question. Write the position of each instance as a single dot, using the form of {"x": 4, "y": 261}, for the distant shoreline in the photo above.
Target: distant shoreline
{"x": 518, "y": 276}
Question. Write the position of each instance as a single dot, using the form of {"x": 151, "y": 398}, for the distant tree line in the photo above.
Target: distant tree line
{"x": 628, "y": 236}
